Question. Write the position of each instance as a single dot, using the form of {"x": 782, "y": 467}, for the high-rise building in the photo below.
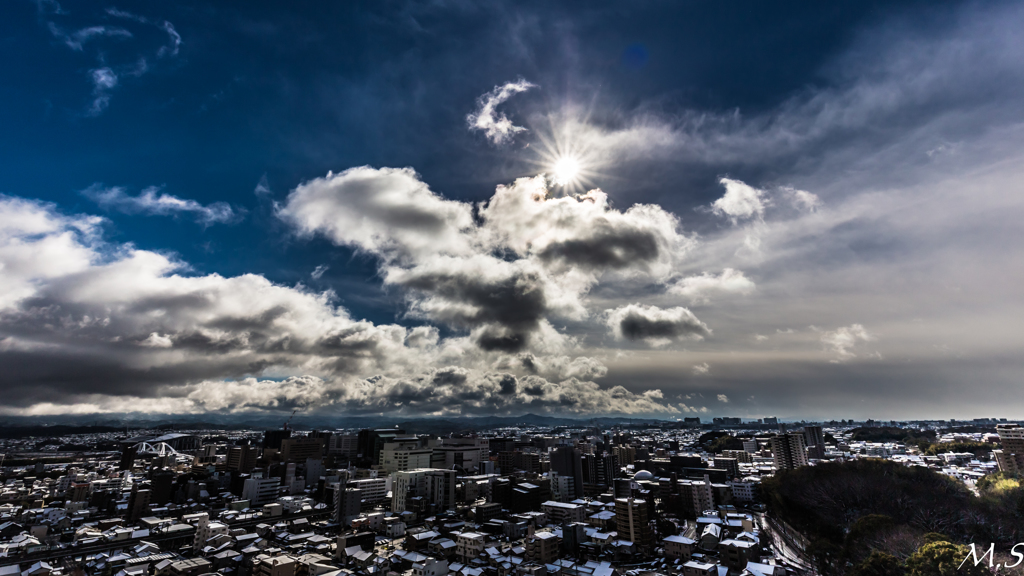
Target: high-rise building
{"x": 272, "y": 438}
{"x": 625, "y": 454}
{"x": 568, "y": 462}
{"x": 789, "y": 451}
{"x": 815, "y": 440}
{"x": 345, "y": 445}
{"x": 347, "y": 502}
{"x": 242, "y": 458}
{"x": 128, "y": 454}
{"x": 633, "y": 522}
{"x": 371, "y": 442}
{"x": 299, "y": 449}
{"x": 138, "y": 502}
{"x": 161, "y": 485}
{"x": 1011, "y": 457}
{"x": 436, "y": 486}
{"x": 608, "y": 467}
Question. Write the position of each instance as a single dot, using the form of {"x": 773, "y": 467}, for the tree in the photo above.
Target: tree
{"x": 667, "y": 528}
{"x": 878, "y": 564}
{"x": 827, "y": 556}
{"x": 945, "y": 559}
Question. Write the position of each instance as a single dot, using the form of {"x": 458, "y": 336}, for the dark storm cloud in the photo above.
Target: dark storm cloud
{"x": 655, "y": 325}
{"x": 605, "y": 248}
{"x": 511, "y": 308}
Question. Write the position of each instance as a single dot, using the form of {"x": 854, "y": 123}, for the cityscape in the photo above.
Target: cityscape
{"x": 685, "y": 498}
{"x": 511, "y": 288}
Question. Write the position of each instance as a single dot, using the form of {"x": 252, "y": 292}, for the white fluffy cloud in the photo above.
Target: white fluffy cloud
{"x": 701, "y": 288}
{"x": 387, "y": 212}
{"x": 495, "y": 125}
{"x": 843, "y": 339}
{"x": 740, "y": 201}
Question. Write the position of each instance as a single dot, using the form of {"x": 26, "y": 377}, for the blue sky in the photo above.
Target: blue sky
{"x": 832, "y": 193}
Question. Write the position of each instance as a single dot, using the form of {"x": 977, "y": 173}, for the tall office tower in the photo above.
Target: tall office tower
{"x": 815, "y": 440}
{"x": 272, "y": 438}
{"x": 161, "y": 485}
{"x": 371, "y": 442}
{"x": 128, "y": 453}
{"x": 299, "y": 449}
{"x": 568, "y": 461}
{"x": 242, "y": 458}
{"x": 1011, "y": 458}
{"x": 608, "y": 467}
{"x": 345, "y": 445}
{"x": 138, "y": 502}
{"x": 789, "y": 451}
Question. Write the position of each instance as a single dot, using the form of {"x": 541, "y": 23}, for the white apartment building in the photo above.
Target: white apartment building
{"x": 562, "y": 513}
{"x": 469, "y": 545}
{"x": 743, "y": 490}
{"x": 373, "y": 489}
{"x": 206, "y": 530}
{"x": 260, "y": 491}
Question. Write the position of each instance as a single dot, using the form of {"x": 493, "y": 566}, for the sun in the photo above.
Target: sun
{"x": 566, "y": 170}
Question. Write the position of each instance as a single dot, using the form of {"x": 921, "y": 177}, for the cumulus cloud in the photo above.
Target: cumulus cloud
{"x": 723, "y": 398}
{"x": 701, "y": 288}
{"x": 655, "y": 326}
{"x": 318, "y": 272}
{"x": 495, "y": 125}
{"x": 842, "y": 340}
{"x": 701, "y": 369}
{"x": 152, "y": 202}
{"x": 388, "y": 212}
{"x": 501, "y": 277}
{"x": 109, "y": 328}
{"x": 740, "y": 201}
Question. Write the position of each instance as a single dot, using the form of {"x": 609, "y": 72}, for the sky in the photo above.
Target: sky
{"x": 658, "y": 209}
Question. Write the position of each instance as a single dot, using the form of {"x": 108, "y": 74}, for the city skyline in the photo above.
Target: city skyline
{"x": 451, "y": 210}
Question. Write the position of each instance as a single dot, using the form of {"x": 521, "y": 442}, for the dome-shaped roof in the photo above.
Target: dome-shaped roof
{"x": 643, "y": 475}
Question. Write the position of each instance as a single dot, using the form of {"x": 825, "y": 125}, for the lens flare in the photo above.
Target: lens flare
{"x": 566, "y": 171}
